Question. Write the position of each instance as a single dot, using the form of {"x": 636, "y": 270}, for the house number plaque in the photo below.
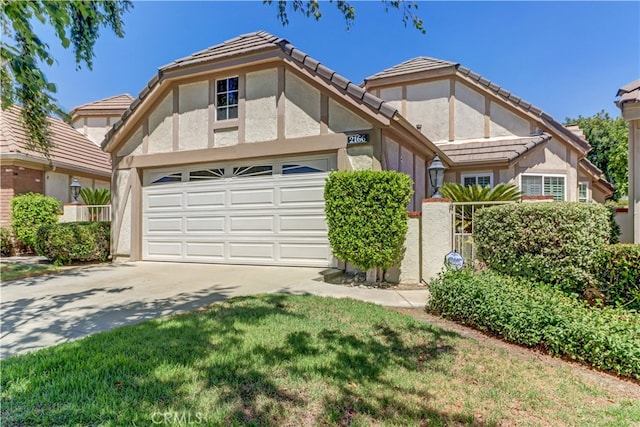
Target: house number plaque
{"x": 357, "y": 138}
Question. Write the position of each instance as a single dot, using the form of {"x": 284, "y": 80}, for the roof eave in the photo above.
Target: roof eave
{"x": 54, "y": 163}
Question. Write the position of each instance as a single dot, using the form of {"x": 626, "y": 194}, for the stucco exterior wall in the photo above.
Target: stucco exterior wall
{"x": 193, "y": 115}
{"x": 261, "y": 120}
{"x": 428, "y": 105}
{"x": 122, "y": 208}
{"x": 302, "y": 108}
{"x": 342, "y": 120}
{"x": 468, "y": 113}
{"x": 134, "y": 145}
{"x": 225, "y": 137}
{"x": 161, "y": 126}
{"x": 507, "y": 123}
{"x": 96, "y": 129}
{"x": 393, "y": 95}
{"x": 57, "y": 185}
{"x": 397, "y": 157}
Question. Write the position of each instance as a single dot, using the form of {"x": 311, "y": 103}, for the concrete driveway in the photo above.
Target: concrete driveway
{"x": 43, "y": 311}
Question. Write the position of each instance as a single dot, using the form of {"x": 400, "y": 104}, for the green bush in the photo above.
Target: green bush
{"x": 74, "y": 242}
{"x": 6, "y": 242}
{"x": 616, "y": 269}
{"x": 367, "y": 216}
{"x": 548, "y": 242}
{"x": 539, "y": 316}
{"x": 29, "y": 212}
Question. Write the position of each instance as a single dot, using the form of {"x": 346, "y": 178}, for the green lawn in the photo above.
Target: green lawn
{"x": 297, "y": 360}
{"x": 11, "y": 271}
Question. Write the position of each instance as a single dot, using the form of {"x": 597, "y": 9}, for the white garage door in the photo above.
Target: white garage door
{"x": 250, "y": 213}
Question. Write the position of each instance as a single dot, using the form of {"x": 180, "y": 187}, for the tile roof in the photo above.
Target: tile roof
{"x": 415, "y": 65}
{"x": 72, "y": 149}
{"x": 422, "y": 64}
{"x": 492, "y": 151}
{"x": 253, "y": 43}
{"x": 113, "y": 105}
{"x": 629, "y": 93}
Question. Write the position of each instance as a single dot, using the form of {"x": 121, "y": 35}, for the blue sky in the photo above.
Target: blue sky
{"x": 568, "y": 58}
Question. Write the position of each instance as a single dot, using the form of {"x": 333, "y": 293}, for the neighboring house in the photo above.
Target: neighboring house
{"x": 222, "y": 158}
{"x": 24, "y": 171}
{"x": 629, "y": 103}
{"x": 94, "y": 119}
{"x": 490, "y": 135}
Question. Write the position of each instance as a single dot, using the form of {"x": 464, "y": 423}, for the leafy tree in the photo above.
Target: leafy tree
{"x": 610, "y": 140}
{"x": 76, "y": 24}
{"x": 311, "y": 8}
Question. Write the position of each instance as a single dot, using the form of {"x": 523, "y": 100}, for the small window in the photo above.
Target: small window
{"x": 291, "y": 169}
{"x": 206, "y": 174}
{"x": 174, "y": 177}
{"x": 483, "y": 180}
{"x": 227, "y": 99}
{"x": 252, "y": 170}
{"x": 538, "y": 185}
{"x": 583, "y": 192}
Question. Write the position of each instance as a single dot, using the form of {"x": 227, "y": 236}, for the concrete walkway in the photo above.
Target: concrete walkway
{"x": 43, "y": 311}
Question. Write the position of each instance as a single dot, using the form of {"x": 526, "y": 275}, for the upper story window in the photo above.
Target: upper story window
{"x": 543, "y": 185}
{"x": 483, "y": 180}
{"x": 227, "y": 99}
{"x": 583, "y": 192}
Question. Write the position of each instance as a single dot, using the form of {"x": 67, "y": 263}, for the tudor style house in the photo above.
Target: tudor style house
{"x": 222, "y": 157}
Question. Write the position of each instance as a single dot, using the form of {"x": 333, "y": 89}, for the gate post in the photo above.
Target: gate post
{"x": 436, "y": 236}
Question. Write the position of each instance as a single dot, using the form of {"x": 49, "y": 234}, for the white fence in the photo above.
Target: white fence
{"x": 462, "y": 214}
{"x": 83, "y": 213}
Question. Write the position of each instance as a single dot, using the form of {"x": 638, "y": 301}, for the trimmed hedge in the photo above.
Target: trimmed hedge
{"x": 367, "y": 216}
{"x": 549, "y": 242}
{"x": 74, "y": 242}
{"x": 30, "y": 211}
{"x": 616, "y": 269}
{"x": 6, "y": 242}
{"x": 538, "y": 316}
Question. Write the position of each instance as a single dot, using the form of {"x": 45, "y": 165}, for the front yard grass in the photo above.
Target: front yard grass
{"x": 14, "y": 271}
{"x": 297, "y": 360}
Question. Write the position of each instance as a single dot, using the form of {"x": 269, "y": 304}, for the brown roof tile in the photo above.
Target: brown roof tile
{"x": 113, "y": 105}
{"x": 492, "y": 151}
{"x": 629, "y": 93}
{"x": 252, "y": 43}
{"x": 415, "y": 65}
{"x": 72, "y": 149}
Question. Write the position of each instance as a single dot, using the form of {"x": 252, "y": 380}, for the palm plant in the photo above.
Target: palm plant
{"x": 459, "y": 193}
{"x": 96, "y": 198}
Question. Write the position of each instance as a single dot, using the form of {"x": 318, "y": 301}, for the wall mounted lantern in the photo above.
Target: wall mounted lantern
{"x": 75, "y": 190}
{"x": 436, "y": 176}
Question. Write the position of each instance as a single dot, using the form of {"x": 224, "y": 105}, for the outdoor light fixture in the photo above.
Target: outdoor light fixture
{"x": 75, "y": 190}
{"x": 436, "y": 176}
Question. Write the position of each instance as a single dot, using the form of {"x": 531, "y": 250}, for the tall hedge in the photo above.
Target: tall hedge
{"x": 30, "y": 211}
{"x": 549, "y": 242}
{"x": 616, "y": 270}
{"x": 367, "y": 216}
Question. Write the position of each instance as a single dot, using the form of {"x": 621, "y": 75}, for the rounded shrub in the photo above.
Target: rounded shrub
{"x": 74, "y": 242}
{"x": 29, "y": 212}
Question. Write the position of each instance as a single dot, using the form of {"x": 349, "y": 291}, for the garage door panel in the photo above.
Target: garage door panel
{"x": 260, "y": 197}
{"x": 205, "y": 224}
{"x": 300, "y": 223}
{"x": 159, "y": 201}
{"x": 267, "y": 220}
{"x": 203, "y": 199}
{"x": 299, "y": 195}
{"x": 212, "y": 250}
{"x": 252, "y": 223}
{"x": 304, "y": 251}
{"x": 164, "y": 248}
{"x": 167, "y": 224}
{"x": 254, "y": 251}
